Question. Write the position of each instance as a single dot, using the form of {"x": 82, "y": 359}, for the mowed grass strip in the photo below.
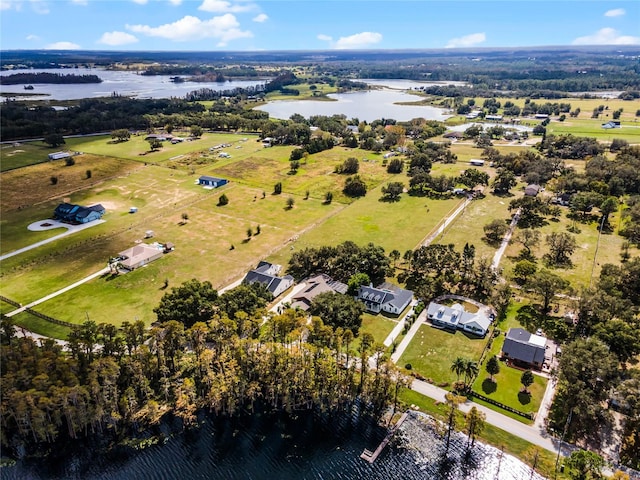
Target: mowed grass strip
{"x": 432, "y": 351}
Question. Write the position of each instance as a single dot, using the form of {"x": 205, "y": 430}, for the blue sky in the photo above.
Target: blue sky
{"x": 208, "y": 25}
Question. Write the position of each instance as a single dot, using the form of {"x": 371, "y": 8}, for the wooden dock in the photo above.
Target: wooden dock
{"x": 370, "y": 456}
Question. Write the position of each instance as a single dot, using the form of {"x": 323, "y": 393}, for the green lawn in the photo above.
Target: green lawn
{"x": 432, "y": 351}
{"x": 377, "y": 325}
{"x": 16, "y": 155}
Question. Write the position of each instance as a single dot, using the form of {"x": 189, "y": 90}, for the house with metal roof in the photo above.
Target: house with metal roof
{"x": 267, "y": 274}
{"x": 386, "y": 297}
{"x": 524, "y": 349}
{"x": 211, "y": 182}
{"x": 456, "y": 317}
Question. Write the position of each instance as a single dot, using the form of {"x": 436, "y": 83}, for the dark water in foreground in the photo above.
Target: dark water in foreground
{"x": 273, "y": 449}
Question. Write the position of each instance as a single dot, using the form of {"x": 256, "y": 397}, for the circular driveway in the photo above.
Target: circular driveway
{"x": 48, "y": 224}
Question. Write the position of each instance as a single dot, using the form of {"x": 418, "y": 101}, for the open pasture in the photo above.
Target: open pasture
{"x": 138, "y": 149}
{"x": 32, "y": 185}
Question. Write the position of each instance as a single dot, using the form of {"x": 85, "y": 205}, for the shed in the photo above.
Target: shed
{"x": 212, "y": 182}
{"x": 477, "y": 162}
{"x": 531, "y": 190}
{"x": 59, "y": 155}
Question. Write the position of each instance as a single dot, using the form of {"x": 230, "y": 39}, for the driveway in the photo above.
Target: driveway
{"x": 50, "y": 224}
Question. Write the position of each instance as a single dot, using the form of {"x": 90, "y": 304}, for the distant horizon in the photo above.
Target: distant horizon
{"x": 311, "y": 25}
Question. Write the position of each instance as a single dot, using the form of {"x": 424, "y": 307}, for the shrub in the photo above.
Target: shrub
{"x": 54, "y": 180}
{"x": 223, "y": 200}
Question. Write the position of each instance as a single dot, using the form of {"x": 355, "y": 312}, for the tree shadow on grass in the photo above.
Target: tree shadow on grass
{"x": 489, "y": 386}
{"x": 524, "y": 398}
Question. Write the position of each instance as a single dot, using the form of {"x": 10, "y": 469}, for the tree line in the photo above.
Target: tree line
{"x": 116, "y": 382}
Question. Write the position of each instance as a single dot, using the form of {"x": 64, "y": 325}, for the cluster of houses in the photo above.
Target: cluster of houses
{"x": 521, "y": 348}
{"x": 384, "y": 298}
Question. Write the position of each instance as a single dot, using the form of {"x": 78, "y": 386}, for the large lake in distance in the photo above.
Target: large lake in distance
{"x": 368, "y": 106}
{"x": 125, "y": 83}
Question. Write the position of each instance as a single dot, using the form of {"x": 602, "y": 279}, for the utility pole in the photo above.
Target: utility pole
{"x": 564, "y": 432}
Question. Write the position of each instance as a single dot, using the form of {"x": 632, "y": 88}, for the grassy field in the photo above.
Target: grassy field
{"x": 137, "y": 148}
{"x": 377, "y": 325}
{"x": 16, "y": 155}
{"x": 432, "y": 351}
{"x": 579, "y": 274}
{"x": 582, "y": 127}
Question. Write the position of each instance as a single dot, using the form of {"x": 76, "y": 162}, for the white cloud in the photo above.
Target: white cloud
{"x": 32, "y": 38}
{"x": 224, "y": 28}
{"x": 10, "y": 5}
{"x": 607, "y": 36}
{"x": 140, "y": 2}
{"x": 325, "y": 38}
{"x": 263, "y": 17}
{"x": 222, "y": 6}
{"x": 616, "y": 12}
{"x": 175, "y": 2}
{"x": 80, "y": 2}
{"x": 117, "y": 38}
{"x": 358, "y": 40}
{"x": 466, "y": 41}
{"x": 41, "y": 8}
{"x": 62, "y": 46}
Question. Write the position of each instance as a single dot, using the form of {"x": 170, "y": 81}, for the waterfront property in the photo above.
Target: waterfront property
{"x": 457, "y": 318}
{"x": 524, "y": 349}
{"x": 70, "y": 213}
{"x": 315, "y": 286}
{"x": 267, "y": 274}
{"x": 386, "y": 298}
{"x": 211, "y": 182}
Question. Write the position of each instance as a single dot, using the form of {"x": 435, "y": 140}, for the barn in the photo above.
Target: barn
{"x": 212, "y": 182}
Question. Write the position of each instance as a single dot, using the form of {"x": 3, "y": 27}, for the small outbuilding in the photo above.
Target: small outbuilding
{"x": 212, "y": 182}
{"x": 477, "y": 162}
{"x": 59, "y": 155}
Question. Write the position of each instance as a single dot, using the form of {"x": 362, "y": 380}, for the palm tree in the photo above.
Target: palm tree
{"x": 458, "y": 366}
{"x": 470, "y": 371}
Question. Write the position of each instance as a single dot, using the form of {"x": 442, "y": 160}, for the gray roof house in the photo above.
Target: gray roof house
{"x": 267, "y": 274}
{"x": 387, "y": 297}
{"x": 532, "y": 190}
{"x": 524, "y": 348}
{"x": 314, "y": 287}
{"x": 140, "y": 255}
{"x": 456, "y": 317}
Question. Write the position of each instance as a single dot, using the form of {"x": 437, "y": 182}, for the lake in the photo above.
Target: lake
{"x": 124, "y": 83}
{"x": 368, "y": 106}
{"x": 274, "y": 448}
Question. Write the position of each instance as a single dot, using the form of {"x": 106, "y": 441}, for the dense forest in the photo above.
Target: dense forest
{"x": 118, "y": 382}
{"x": 44, "y": 77}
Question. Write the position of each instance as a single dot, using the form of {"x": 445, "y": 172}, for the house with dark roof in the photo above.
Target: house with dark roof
{"x": 70, "y": 213}
{"x": 524, "y": 349}
{"x": 386, "y": 298}
{"x": 211, "y": 182}
{"x": 314, "y": 286}
{"x": 532, "y": 190}
{"x": 456, "y": 317}
{"x": 267, "y": 274}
